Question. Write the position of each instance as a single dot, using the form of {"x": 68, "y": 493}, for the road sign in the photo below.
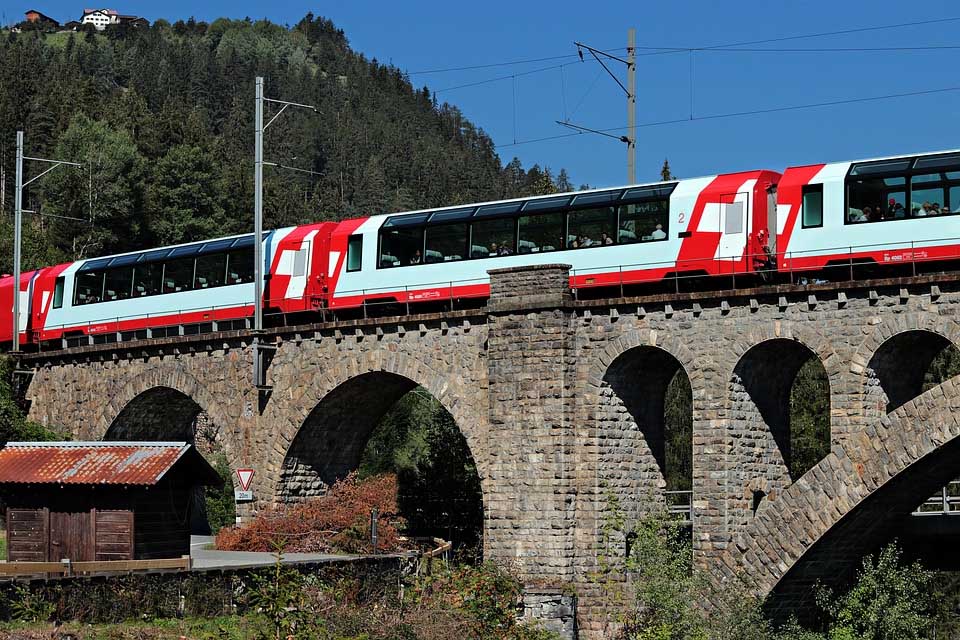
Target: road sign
{"x": 244, "y": 476}
{"x": 242, "y": 496}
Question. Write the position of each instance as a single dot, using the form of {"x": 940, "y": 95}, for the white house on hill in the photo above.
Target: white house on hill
{"x": 100, "y": 18}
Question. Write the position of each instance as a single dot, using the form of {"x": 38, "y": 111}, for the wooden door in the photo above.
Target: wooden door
{"x": 71, "y": 536}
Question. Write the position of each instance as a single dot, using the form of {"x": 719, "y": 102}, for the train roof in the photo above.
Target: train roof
{"x": 899, "y": 156}
{"x": 614, "y": 195}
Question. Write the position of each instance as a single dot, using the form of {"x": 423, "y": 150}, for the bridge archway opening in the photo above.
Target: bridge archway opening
{"x": 160, "y": 413}
{"x": 166, "y": 414}
{"x": 649, "y": 390}
{"x": 786, "y": 383}
{"x": 908, "y": 363}
{"x": 883, "y": 517}
{"x": 381, "y": 422}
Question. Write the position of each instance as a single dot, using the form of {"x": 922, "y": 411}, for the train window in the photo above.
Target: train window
{"x": 954, "y": 202}
{"x": 211, "y": 271}
{"x": 58, "y": 293}
{"x": 644, "y": 222}
{"x": 240, "y": 266}
{"x": 591, "y": 227}
{"x": 541, "y": 233}
{"x": 88, "y": 288}
{"x": 875, "y": 168}
{"x": 117, "y": 284}
{"x": 503, "y": 209}
{"x": 178, "y": 275}
{"x": 446, "y": 243}
{"x": 876, "y": 199}
{"x": 494, "y": 237}
{"x": 147, "y": 279}
{"x": 354, "y": 253}
{"x": 812, "y": 206}
{"x": 401, "y": 246}
{"x": 452, "y": 215}
{"x": 938, "y": 162}
{"x": 927, "y": 195}
{"x": 546, "y": 204}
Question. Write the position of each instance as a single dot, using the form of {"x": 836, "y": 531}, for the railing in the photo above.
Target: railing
{"x": 746, "y": 264}
{"x": 680, "y": 505}
{"x": 67, "y": 567}
{"x": 622, "y": 275}
{"x": 944, "y": 503}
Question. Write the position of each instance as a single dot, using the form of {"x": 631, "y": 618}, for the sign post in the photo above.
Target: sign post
{"x": 244, "y": 477}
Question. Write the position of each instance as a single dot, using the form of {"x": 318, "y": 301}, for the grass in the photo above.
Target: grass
{"x": 3, "y": 545}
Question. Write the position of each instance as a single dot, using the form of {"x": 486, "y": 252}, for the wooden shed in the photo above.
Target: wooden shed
{"x": 95, "y": 501}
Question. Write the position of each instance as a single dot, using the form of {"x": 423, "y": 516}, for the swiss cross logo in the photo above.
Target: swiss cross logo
{"x": 244, "y": 476}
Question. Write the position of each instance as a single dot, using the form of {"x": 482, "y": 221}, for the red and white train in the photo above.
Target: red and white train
{"x": 805, "y": 220}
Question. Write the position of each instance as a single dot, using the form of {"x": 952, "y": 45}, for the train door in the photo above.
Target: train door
{"x": 772, "y": 228}
{"x": 300, "y": 273}
{"x": 734, "y": 217}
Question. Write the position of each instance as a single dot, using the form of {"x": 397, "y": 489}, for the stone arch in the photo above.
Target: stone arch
{"x": 892, "y": 361}
{"x": 358, "y": 392}
{"x": 161, "y": 404}
{"x": 819, "y": 528}
{"x": 624, "y": 408}
{"x": 767, "y": 363}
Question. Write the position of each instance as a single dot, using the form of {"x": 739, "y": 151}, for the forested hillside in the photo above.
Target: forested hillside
{"x": 162, "y": 118}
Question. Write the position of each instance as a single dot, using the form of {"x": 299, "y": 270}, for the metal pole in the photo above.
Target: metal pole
{"x": 258, "y": 235}
{"x": 17, "y": 218}
{"x": 632, "y": 105}
{"x": 258, "y": 211}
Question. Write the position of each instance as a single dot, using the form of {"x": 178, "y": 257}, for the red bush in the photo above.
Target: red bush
{"x": 336, "y": 522}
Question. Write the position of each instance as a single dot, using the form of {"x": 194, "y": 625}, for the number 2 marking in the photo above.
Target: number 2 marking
{"x": 683, "y": 217}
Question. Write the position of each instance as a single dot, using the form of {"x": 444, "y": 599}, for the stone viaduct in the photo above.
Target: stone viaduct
{"x": 561, "y": 404}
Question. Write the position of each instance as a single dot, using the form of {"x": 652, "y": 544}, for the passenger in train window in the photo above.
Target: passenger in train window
{"x": 416, "y": 258}
{"x": 503, "y": 250}
{"x": 658, "y": 233}
{"x": 605, "y": 239}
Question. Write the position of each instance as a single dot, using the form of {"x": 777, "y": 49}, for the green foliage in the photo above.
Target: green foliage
{"x": 104, "y": 194}
{"x": 488, "y": 595}
{"x": 27, "y": 605}
{"x": 220, "y": 506}
{"x": 889, "y": 601}
{"x": 945, "y": 365}
{"x": 439, "y": 488}
{"x": 182, "y": 198}
{"x": 678, "y": 425}
{"x": 665, "y": 172}
{"x": 280, "y": 598}
{"x": 809, "y": 417}
{"x": 162, "y": 117}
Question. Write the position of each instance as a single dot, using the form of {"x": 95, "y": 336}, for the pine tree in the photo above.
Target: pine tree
{"x": 665, "y": 173}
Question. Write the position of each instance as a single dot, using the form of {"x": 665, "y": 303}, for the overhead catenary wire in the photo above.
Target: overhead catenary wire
{"x": 736, "y": 114}
{"x": 653, "y": 51}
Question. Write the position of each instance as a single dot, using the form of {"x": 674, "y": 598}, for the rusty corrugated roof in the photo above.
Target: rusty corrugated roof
{"x": 123, "y": 463}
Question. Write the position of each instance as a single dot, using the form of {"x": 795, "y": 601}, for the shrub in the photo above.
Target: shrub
{"x": 336, "y": 522}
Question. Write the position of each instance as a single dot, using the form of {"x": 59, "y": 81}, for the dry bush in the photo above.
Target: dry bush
{"x": 336, "y": 522}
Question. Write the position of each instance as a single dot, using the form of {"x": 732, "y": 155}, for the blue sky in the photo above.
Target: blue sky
{"x": 419, "y": 36}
